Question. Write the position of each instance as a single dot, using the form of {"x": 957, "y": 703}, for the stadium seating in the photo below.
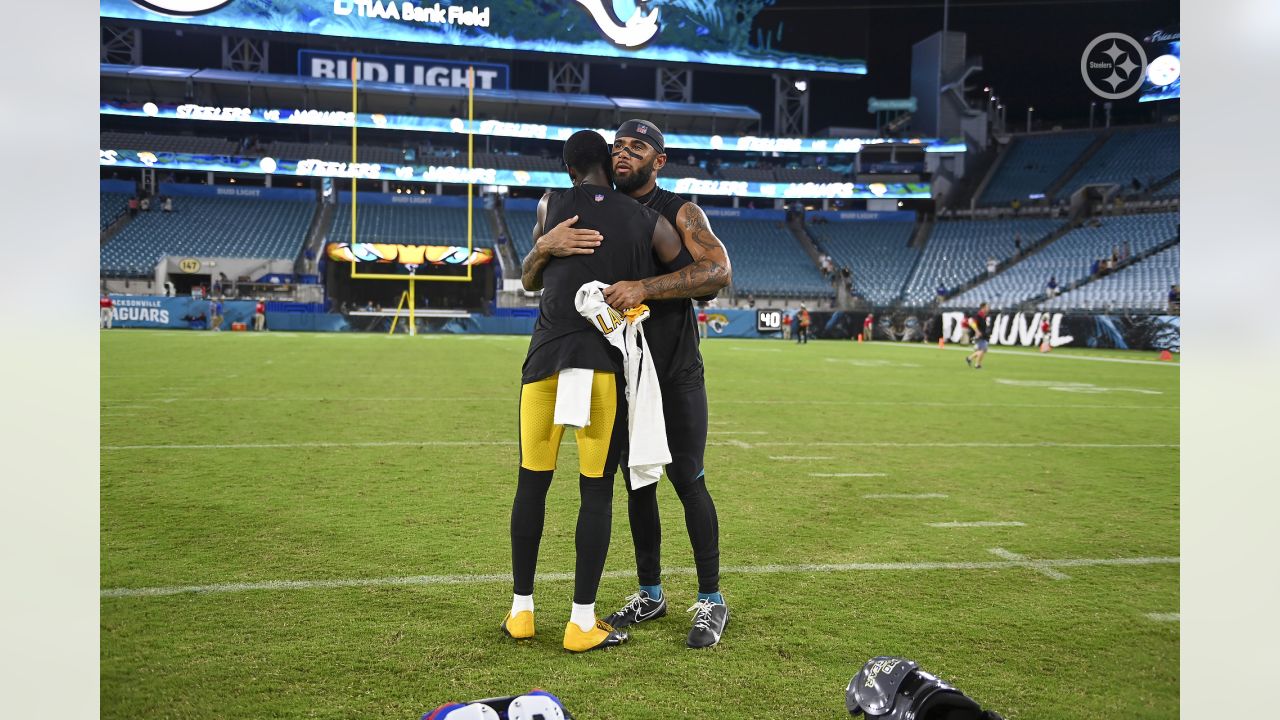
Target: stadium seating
{"x": 747, "y": 174}
{"x": 1032, "y": 164}
{"x": 520, "y": 225}
{"x": 208, "y": 227}
{"x": 958, "y": 250}
{"x": 809, "y": 174}
{"x": 1147, "y": 154}
{"x": 333, "y": 153}
{"x": 169, "y": 143}
{"x": 412, "y": 224}
{"x": 877, "y": 253}
{"x": 768, "y": 261}
{"x": 1140, "y": 287}
{"x": 1173, "y": 189}
{"x": 110, "y": 205}
{"x": 1069, "y": 258}
{"x": 690, "y": 171}
{"x": 512, "y": 161}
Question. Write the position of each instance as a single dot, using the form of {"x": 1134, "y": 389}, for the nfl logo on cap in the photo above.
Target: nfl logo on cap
{"x": 642, "y": 129}
{"x": 599, "y": 198}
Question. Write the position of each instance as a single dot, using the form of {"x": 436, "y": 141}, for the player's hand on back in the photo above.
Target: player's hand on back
{"x": 564, "y": 240}
{"x": 624, "y": 294}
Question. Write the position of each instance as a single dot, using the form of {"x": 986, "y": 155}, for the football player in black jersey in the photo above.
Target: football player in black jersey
{"x": 638, "y": 156}
{"x": 563, "y": 341}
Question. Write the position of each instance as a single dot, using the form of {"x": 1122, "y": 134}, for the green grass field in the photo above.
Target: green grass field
{"x": 237, "y": 461}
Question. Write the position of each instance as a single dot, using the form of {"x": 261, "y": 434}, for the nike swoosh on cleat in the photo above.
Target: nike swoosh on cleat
{"x": 641, "y": 616}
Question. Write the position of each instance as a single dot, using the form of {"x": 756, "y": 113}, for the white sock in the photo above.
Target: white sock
{"x": 520, "y": 603}
{"x": 584, "y": 616}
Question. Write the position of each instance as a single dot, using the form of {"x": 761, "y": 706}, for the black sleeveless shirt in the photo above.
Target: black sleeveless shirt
{"x": 561, "y": 337}
{"x": 671, "y": 329}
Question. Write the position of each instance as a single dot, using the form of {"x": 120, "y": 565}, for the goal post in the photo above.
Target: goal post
{"x": 413, "y": 277}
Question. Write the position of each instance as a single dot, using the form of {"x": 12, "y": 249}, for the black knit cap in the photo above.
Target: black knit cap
{"x": 644, "y": 131}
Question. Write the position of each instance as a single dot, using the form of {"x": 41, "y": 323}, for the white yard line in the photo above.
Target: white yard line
{"x": 1165, "y": 617}
{"x": 890, "y": 444}
{"x": 924, "y": 403}
{"x": 418, "y": 580}
{"x": 1034, "y": 565}
{"x": 727, "y": 401}
{"x": 287, "y": 446}
{"x": 1014, "y": 353}
{"x": 978, "y": 524}
{"x": 730, "y": 443}
{"x": 849, "y": 474}
{"x": 904, "y": 496}
{"x": 801, "y": 457}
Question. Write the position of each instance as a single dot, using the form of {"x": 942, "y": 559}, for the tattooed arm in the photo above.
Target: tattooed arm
{"x": 537, "y": 259}
{"x": 709, "y": 272}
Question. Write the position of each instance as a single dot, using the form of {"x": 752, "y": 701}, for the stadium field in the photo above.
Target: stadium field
{"x": 315, "y": 526}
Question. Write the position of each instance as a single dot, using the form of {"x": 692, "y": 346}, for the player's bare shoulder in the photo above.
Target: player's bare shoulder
{"x": 694, "y": 227}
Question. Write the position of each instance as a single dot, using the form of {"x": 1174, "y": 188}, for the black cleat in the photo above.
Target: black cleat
{"x": 639, "y": 608}
{"x": 968, "y": 362}
{"x": 709, "y": 621}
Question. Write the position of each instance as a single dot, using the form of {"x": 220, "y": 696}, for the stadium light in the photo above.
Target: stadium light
{"x": 802, "y": 85}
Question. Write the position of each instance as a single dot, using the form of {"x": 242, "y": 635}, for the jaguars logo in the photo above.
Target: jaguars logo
{"x": 718, "y": 322}
{"x": 182, "y": 8}
{"x": 634, "y": 33}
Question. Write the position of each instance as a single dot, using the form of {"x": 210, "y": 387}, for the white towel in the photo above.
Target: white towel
{"x": 573, "y": 398}
{"x": 646, "y": 427}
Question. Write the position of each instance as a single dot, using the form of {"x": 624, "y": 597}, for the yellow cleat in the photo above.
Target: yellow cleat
{"x": 601, "y": 636}
{"x": 518, "y": 626}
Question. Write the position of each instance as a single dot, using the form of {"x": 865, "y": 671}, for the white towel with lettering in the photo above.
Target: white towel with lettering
{"x": 647, "y": 453}
{"x": 573, "y": 397}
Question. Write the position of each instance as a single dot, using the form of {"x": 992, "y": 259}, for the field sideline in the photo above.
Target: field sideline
{"x": 315, "y": 525}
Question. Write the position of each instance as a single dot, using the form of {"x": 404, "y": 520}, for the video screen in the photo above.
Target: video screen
{"x": 1164, "y": 66}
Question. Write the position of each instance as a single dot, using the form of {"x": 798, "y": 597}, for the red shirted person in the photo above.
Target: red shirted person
{"x": 106, "y": 310}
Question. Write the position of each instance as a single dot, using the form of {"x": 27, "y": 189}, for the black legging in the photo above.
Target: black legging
{"x": 685, "y": 411}
{"x": 595, "y": 519}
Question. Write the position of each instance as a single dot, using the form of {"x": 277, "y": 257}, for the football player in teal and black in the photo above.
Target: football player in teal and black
{"x": 638, "y": 155}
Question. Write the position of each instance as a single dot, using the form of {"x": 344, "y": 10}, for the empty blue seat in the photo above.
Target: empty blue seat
{"x": 877, "y": 254}
{"x": 958, "y": 251}
{"x": 1032, "y": 164}
{"x": 1070, "y": 257}
{"x": 207, "y": 227}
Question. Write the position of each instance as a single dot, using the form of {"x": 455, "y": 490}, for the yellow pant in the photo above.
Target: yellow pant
{"x": 540, "y": 436}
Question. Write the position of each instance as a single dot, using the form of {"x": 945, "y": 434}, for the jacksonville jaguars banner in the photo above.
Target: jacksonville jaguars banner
{"x": 673, "y": 31}
{"x": 144, "y": 311}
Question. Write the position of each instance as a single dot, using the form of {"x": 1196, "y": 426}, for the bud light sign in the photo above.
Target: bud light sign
{"x": 402, "y": 70}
